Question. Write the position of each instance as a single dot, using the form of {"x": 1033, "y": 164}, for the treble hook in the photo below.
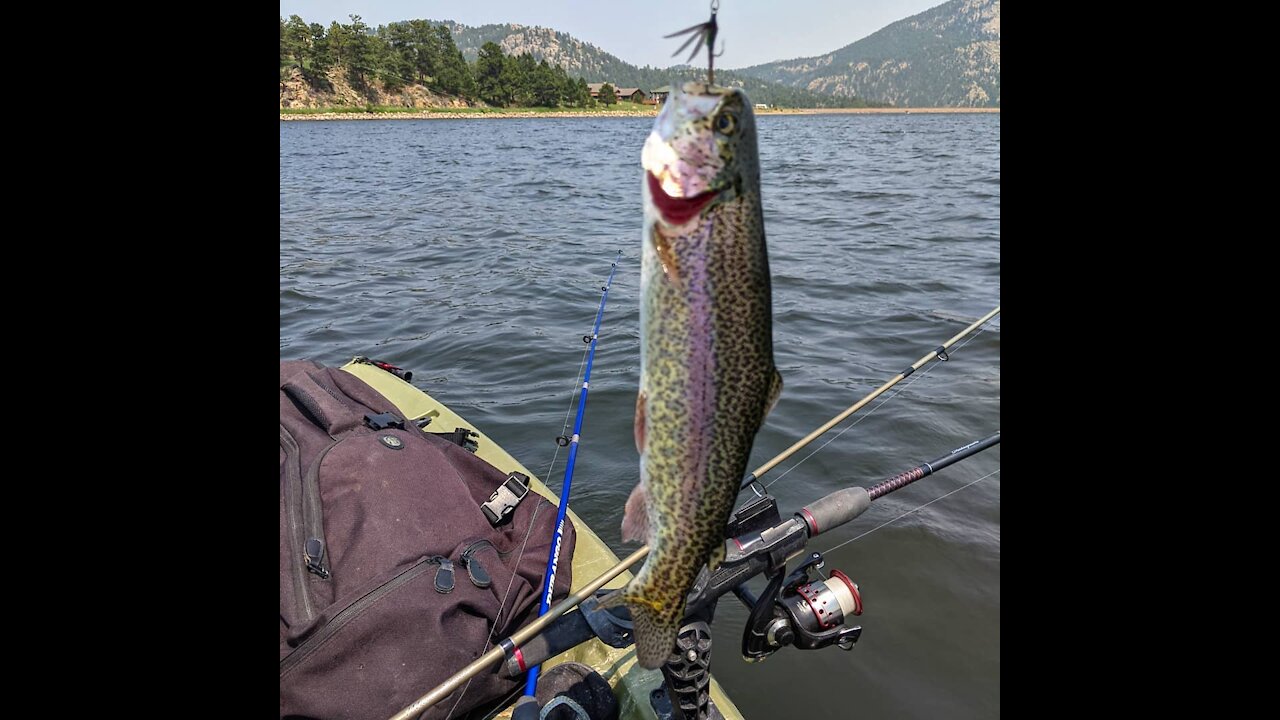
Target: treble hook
{"x": 702, "y": 33}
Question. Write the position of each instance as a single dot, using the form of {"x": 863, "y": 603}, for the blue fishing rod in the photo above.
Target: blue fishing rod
{"x": 528, "y": 703}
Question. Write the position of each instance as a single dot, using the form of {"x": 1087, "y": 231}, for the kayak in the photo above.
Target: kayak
{"x": 632, "y": 685}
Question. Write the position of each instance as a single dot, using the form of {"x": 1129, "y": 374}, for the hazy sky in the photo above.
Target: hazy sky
{"x": 754, "y": 31}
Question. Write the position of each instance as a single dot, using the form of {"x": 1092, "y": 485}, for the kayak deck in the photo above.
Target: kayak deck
{"x": 631, "y": 683}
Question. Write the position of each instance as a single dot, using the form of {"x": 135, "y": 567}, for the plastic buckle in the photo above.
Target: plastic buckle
{"x": 384, "y": 420}
{"x": 504, "y": 500}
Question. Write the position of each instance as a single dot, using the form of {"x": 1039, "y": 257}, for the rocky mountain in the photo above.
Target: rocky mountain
{"x": 947, "y": 56}
{"x": 582, "y": 59}
{"x": 336, "y": 90}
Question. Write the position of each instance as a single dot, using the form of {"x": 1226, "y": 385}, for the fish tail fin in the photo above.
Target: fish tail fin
{"x": 635, "y": 518}
{"x": 655, "y": 636}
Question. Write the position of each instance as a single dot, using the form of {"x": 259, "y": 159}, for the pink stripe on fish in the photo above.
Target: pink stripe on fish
{"x": 702, "y": 358}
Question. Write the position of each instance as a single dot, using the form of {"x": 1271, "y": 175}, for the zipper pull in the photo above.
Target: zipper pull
{"x": 444, "y": 575}
{"x": 314, "y": 556}
{"x": 479, "y": 576}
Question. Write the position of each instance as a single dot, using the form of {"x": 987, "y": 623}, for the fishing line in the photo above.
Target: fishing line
{"x": 528, "y": 531}
{"x": 577, "y": 382}
{"x": 871, "y": 412}
{"x": 953, "y": 492}
{"x": 553, "y": 555}
{"x": 564, "y": 499}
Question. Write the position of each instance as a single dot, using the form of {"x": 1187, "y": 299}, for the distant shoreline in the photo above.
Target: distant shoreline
{"x": 871, "y": 111}
{"x": 506, "y": 114}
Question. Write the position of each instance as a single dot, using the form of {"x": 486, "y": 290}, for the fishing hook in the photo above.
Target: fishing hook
{"x": 702, "y": 33}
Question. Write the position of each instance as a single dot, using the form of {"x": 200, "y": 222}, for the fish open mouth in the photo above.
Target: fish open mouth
{"x": 677, "y": 210}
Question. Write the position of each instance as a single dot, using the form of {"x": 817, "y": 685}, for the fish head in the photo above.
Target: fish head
{"x": 700, "y": 153}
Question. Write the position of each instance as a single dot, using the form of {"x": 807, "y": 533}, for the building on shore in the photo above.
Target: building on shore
{"x": 635, "y": 95}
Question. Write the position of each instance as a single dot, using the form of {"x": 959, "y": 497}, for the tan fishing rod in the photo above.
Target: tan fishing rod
{"x": 523, "y": 635}
{"x": 940, "y": 351}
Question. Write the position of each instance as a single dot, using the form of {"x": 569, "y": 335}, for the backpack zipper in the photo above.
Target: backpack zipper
{"x": 306, "y": 526}
{"x": 353, "y": 610}
{"x": 444, "y": 574}
{"x": 312, "y": 520}
{"x": 479, "y": 575}
{"x": 293, "y": 507}
{"x": 314, "y": 557}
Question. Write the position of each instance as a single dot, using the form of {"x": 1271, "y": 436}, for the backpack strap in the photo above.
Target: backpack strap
{"x": 323, "y": 403}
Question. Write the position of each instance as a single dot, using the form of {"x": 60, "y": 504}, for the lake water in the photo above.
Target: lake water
{"x": 472, "y": 253}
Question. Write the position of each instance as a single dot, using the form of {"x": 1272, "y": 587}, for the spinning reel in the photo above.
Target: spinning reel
{"x": 800, "y": 611}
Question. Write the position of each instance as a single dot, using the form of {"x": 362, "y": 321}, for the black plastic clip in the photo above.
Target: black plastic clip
{"x": 464, "y": 438}
{"x": 384, "y": 420}
{"x": 504, "y": 500}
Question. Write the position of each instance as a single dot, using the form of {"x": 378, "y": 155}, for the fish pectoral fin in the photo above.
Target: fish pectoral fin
{"x": 775, "y": 392}
{"x": 666, "y": 253}
{"x": 635, "y": 517}
{"x": 641, "y": 409}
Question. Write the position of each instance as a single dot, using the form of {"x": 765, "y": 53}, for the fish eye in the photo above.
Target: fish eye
{"x": 725, "y": 123}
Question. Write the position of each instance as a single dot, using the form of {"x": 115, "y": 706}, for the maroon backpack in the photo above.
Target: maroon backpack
{"x": 392, "y": 577}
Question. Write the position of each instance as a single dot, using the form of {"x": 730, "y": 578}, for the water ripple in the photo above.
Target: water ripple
{"x": 472, "y": 253}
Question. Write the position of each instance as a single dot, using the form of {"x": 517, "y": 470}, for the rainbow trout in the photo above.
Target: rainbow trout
{"x": 707, "y": 377}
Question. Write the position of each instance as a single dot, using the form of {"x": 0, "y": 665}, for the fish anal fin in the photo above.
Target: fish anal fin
{"x": 635, "y": 517}
{"x": 614, "y": 599}
{"x": 655, "y": 625}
